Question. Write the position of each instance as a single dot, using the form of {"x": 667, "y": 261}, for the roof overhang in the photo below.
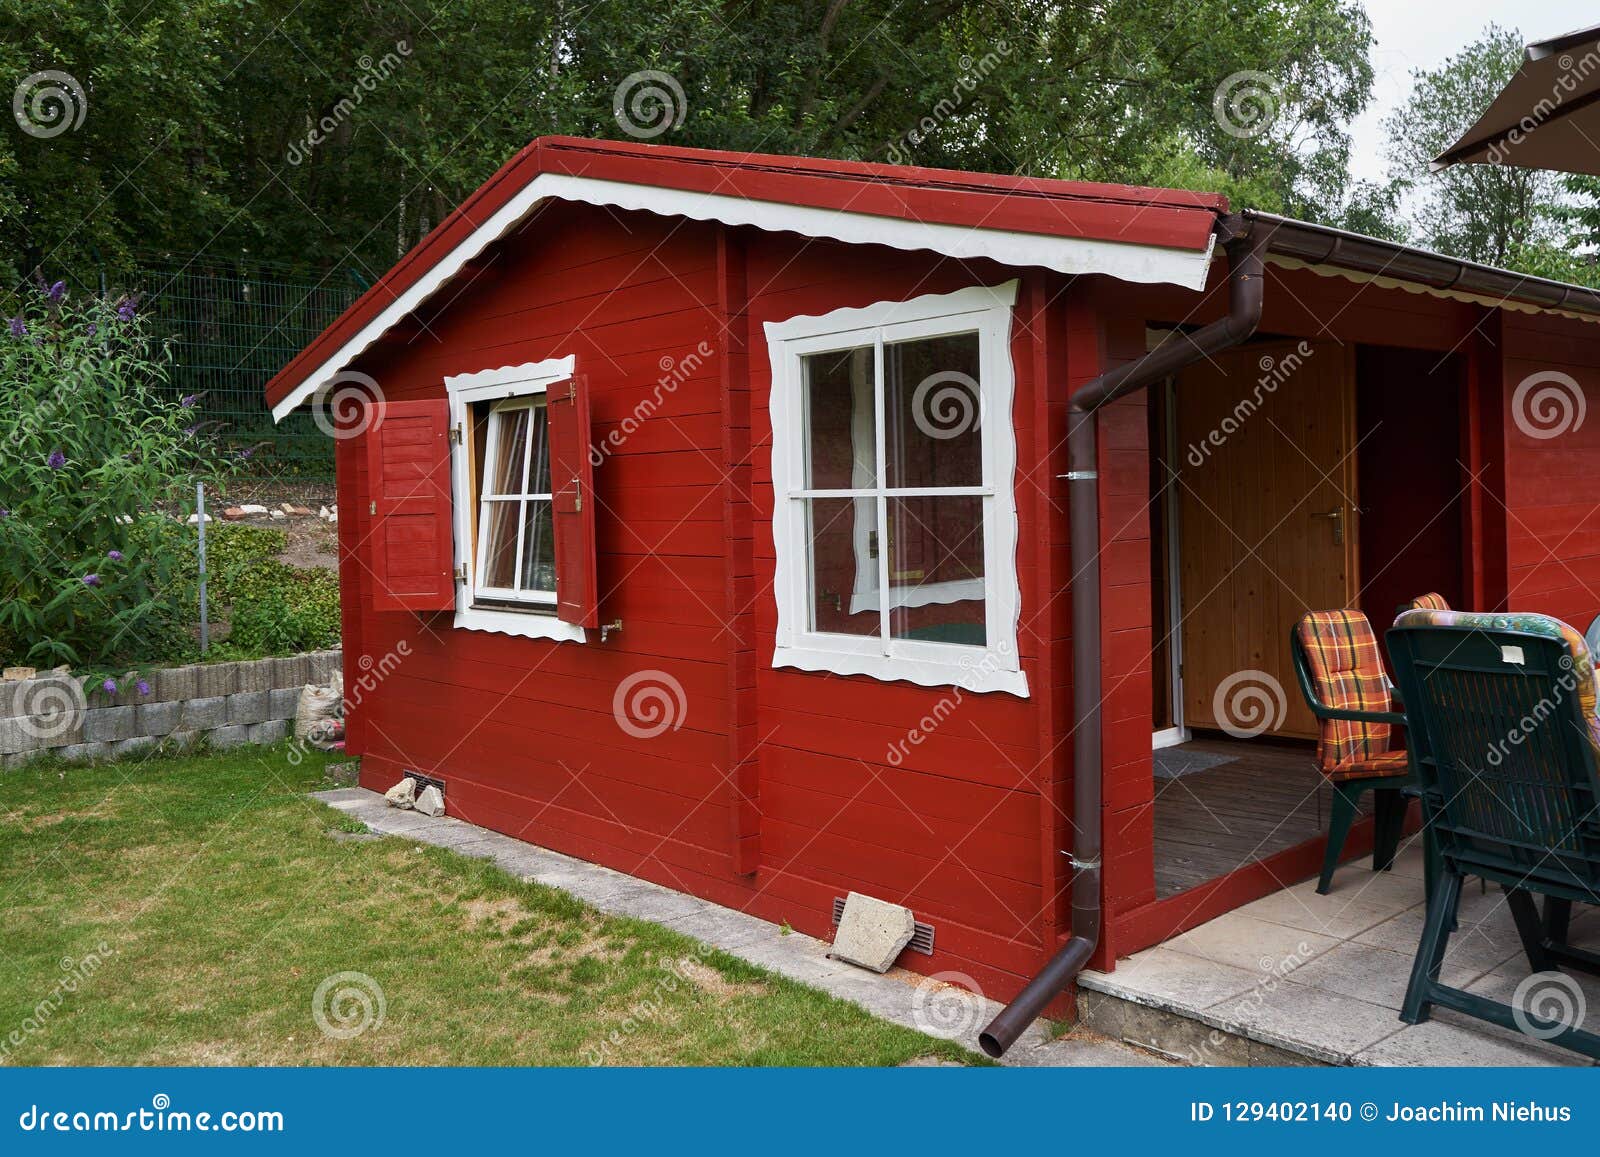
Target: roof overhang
{"x": 1133, "y": 234}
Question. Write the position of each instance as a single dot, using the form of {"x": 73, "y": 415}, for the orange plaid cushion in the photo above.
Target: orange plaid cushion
{"x": 1389, "y": 763}
{"x": 1347, "y": 671}
{"x": 1432, "y": 601}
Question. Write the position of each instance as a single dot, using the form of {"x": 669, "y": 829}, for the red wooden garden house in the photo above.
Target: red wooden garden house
{"x": 712, "y": 516}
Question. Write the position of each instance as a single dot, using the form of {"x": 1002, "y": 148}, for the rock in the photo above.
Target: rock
{"x": 194, "y": 519}
{"x": 872, "y": 932}
{"x": 430, "y": 802}
{"x": 296, "y": 511}
{"x": 234, "y": 513}
{"x": 277, "y": 514}
{"x": 20, "y": 672}
{"x": 253, "y": 508}
{"x": 402, "y": 794}
{"x": 323, "y": 513}
{"x": 64, "y": 670}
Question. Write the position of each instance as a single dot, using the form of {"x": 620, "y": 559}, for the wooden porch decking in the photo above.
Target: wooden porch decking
{"x": 1260, "y": 797}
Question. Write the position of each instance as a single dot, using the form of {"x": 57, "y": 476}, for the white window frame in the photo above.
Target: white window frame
{"x": 526, "y": 383}
{"x": 986, "y": 310}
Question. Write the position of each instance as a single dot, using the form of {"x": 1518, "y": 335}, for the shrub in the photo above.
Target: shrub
{"x": 272, "y": 608}
{"x": 93, "y": 450}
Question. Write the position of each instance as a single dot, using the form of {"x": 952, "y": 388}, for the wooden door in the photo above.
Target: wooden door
{"x": 1267, "y": 524}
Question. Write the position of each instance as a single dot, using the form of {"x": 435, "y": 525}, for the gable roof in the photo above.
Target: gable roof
{"x": 1136, "y": 234}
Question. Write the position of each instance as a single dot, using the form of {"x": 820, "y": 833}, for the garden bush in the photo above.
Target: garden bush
{"x": 95, "y": 447}
{"x": 271, "y": 608}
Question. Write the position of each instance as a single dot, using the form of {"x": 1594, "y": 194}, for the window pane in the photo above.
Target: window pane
{"x": 840, "y": 420}
{"x": 539, "y": 468}
{"x": 506, "y": 477}
{"x": 500, "y": 557}
{"x": 932, "y": 408}
{"x": 936, "y": 570}
{"x": 538, "y": 548}
{"x": 843, "y": 593}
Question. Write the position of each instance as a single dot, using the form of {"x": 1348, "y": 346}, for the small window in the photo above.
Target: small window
{"x": 894, "y": 522}
{"x": 519, "y": 460}
{"x": 516, "y": 539}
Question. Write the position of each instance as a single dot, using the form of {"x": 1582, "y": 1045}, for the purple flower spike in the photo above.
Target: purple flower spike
{"x": 114, "y": 555}
{"x": 92, "y": 329}
{"x": 18, "y": 329}
{"x": 4, "y": 513}
{"x": 91, "y": 580}
{"x": 56, "y": 291}
{"x": 142, "y": 687}
{"x": 125, "y": 309}
{"x": 109, "y": 686}
{"x": 56, "y": 460}
{"x": 188, "y": 401}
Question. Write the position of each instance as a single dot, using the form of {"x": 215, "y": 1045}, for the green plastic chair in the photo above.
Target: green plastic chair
{"x": 1506, "y": 743}
{"x": 1355, "y": 752}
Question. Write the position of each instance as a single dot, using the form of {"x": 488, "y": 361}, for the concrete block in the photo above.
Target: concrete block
{"x": 85, "y": 752}
{"x": 323, "y": 665}
{"x": 294, "y": 671}
{"x": 269, "y": 731}
{"x": 253, "y": 676}
{"x": 11, "y": 696}
{"x": 204, "y": 714}
{"x": 17, "y": 759}
{"x": 174, "y": 684}
{"x": 107, "y": 724}
{"x": 157, "y": 718}
{"x": 247, "y": 707}
{"x": 231, "y": 736}
{"x": 215, "y": 679}
{"x": 872, "y": 932}
{"x": 429, "y": 802}
{"x": 133, "y": 745}
{"x": 282, "y": 702}
{"x": 17, "y": 735}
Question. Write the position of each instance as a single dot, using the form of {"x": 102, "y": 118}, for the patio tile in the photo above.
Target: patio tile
{"x": 1310, "y": 1021}
{"x": 1376, "y": 975}
{"x": 1502, "y": 985}
{"x": 1474, "y": 948}
{"x": 1171, "y": 980}
{"x": 722, "y": 927}
{"x": 1343, "y": 913}
{"x": 1254, "y": 945}
{"x": 1444, "y": 1042}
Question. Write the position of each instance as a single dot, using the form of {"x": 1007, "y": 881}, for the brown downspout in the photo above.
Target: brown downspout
{"x": 1246, "y": 247}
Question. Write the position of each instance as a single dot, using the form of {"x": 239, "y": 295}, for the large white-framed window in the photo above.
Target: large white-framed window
{"x": 894, "y": 517}
{"x": 500, "y": 467}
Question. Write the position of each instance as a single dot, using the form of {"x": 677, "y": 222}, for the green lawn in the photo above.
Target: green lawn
{"x": 186, "y": 910}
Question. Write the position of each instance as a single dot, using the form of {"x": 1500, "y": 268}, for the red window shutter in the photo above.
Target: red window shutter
{"x": 408, "y": 488}
{"x": 572, "y": 477}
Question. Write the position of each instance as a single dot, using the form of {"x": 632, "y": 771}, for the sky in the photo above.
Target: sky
{"x": 1413, "y": 34}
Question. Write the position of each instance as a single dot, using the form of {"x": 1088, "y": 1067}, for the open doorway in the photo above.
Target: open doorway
{"x": 1287, "y": 476}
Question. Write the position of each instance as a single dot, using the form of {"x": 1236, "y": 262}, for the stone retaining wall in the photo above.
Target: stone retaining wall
{"x": 227, "y": 704}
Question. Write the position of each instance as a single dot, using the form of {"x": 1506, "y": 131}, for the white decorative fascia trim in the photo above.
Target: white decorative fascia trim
{"x": 1146, "y": 264}
{"x": 510, "y": 381}
{"x": 529, "y": 625}
{"x": 987, "y": 310}
{"x": 976, "y": 678}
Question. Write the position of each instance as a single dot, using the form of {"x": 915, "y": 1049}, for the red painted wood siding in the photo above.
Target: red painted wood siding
{"x": 769, "y": 790}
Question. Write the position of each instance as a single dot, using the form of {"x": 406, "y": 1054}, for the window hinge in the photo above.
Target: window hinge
{"x": 461, "y": 573}
{"x": 455, "y": 434}
{"x": 577, "y": 495}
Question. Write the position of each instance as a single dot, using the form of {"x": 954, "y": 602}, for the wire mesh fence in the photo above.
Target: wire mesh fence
{"x": 232, "y": 326}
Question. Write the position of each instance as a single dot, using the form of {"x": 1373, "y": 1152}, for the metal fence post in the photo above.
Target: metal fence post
{"x": 200, "y": 521}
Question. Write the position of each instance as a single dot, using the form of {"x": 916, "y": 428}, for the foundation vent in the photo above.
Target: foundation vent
{"x": 921, "y": 938}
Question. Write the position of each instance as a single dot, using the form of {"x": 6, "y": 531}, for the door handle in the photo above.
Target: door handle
{"x": 1337, "y": 517}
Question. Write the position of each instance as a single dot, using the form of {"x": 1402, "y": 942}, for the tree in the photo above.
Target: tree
{"x": 1496, "y": 214}
{"x": 328, "y": 134}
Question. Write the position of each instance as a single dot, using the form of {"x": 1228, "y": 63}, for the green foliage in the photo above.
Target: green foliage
{"x": 1496, "y": 214}
{"x": 93, "y": 450}
{"x": 271, "y": 608}
{"x": 201, "y": 113}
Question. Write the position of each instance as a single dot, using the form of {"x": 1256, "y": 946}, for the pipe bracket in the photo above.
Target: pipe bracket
{"x": 1080, "y": 475}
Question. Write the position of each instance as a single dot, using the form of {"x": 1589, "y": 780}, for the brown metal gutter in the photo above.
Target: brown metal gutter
{"x": 1246, "y": 247}
{"x": 1325, "y": 245}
